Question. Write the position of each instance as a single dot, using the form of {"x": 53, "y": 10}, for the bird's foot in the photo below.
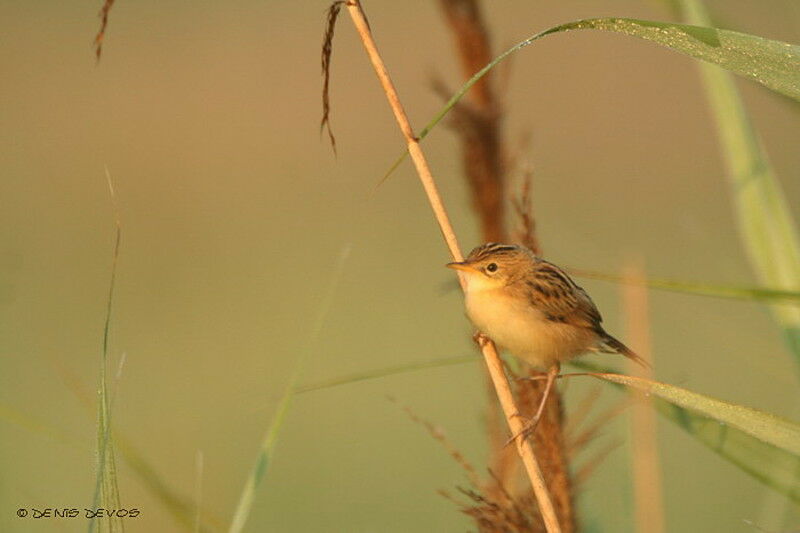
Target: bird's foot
{"x": 527, "y": 430}
{"x": 538, "y": 376}
{"x": 480, "y": 339}
{"x": 530, "y": 427}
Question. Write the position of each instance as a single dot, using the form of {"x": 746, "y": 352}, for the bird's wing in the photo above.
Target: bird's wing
{"x": 560, "y": 299}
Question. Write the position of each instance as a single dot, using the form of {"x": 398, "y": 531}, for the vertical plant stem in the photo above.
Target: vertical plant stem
{"x": 476, "y": 124}
{"x": 768, "y": 230}
{"x": 648, "y": 506}
{"x": 106, "y": 490}
{"x": 493, "y": 362}
{"x": 477, "y": 121}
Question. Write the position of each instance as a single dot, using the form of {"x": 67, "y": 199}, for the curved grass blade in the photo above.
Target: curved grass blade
{"x": 774, "y": 64}
{"x": 737, "y": 135}
{"x": 178, "y": 505}
{"x": 763, "y": 445}
{"x": 763, "y": 426}
{"x": 735, "y": 292}
{"x": 759, "y": 424}
{"x": 182, "y": 508}
{"x": 772, "y": 465}
{"x": 710, "y": 290}
{"x": 384, "y": 372}
{"x": 768, "y": 232}
{"x": 258, "y": 471}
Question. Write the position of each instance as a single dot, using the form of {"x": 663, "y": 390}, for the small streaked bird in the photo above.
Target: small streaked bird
{"x": 533, "y": 309}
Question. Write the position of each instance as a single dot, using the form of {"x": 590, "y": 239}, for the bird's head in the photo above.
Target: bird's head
{"x": 493, "y": 265}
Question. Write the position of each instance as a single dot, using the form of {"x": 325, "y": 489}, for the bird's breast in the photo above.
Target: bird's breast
{"x": 523, "y": 330}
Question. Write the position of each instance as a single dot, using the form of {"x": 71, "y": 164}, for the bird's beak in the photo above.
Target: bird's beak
{"x": 466, "y": 267}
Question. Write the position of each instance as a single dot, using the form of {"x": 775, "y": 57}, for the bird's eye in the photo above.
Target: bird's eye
{"x": 491, "y": 267}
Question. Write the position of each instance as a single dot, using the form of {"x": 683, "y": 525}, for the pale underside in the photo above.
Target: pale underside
{"x": 517, "y": 326}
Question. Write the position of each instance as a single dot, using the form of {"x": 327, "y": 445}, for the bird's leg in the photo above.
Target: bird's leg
{"x": 530, "y": 427}
{"x": 538, "y": 376}
{"x": 480, "y": 339}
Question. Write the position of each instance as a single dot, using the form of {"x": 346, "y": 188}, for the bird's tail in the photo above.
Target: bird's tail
{"x": 609, "y": 344}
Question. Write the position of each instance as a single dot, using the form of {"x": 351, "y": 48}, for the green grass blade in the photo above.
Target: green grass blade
{"x": 710, "y": 290}
{"x": 179, "y": 506}
{"x": 768, "y": 232}
{"x": 763, "y": 445}
{"x": 25, "y": 421}
{"x": 761, "y": 425}
{"x": 774, "y": 64}
{"x": 106, "y": 491}
{"x": 765, "y": 427}
{"x": 384, "y": 372}
{"x": 735, "y": 292}
{"x": 256, "y": 476}
{"x": 182, "y": 508}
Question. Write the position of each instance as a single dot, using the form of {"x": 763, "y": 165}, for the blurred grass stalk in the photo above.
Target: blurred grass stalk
{"x": 477, "y": 122}
{"x": 493, "y": 362}
{"x": 106, "y": 490}
{"x": 270, "y": 439}
{"x": 646, "y": 468}
{"x": 179, "y": 506}
{"x": 769, "y": 234}
{"x": 733, "y": 292}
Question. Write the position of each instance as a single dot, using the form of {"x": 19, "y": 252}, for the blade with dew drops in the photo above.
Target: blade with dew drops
{"x": 765, "y": 446}
{"x": 774, "y": 64}
{"x": 740, "y": 435}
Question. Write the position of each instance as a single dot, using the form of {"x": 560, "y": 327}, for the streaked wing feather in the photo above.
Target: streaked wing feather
{"x": 560, "y": 298}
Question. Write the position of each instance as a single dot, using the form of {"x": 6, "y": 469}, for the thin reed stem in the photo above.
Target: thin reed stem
{"x": 493, "y": 362}
{"x": 646, "y": 467}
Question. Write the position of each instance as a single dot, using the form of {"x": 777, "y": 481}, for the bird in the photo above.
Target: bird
{"x": 532, "y": 309}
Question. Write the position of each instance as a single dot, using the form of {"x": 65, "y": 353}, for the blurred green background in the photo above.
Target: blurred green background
{"x": 234, "y": 211}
